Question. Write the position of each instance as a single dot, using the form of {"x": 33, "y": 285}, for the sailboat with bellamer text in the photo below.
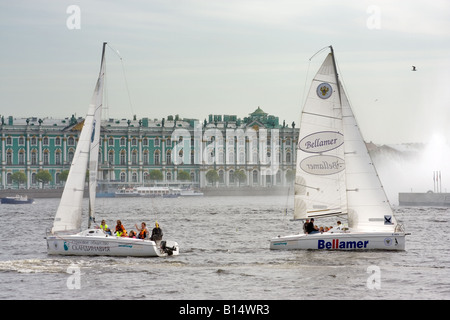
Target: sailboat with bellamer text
{"x": 335, "y": 175}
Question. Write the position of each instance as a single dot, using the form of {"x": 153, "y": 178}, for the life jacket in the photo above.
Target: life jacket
{"x": 104, "y": 227}
{"x": 142, "y": 234}
{"x": 120, "y": 231}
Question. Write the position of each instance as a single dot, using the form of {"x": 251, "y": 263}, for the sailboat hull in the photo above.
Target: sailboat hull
{"x": 100, "y": 244}
{"x": 340, "y": 241}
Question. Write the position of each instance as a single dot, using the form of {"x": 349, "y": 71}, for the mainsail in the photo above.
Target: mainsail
{"x": 335, "y": 174}
{"x": 68, "y": 215}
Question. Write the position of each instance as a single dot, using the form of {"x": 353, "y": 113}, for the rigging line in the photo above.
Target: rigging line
{"x": 307, "y": 74}
{"x": 124, "y": 75}
{"x": 302, "y": 102}
{"x": 318, "y": 52}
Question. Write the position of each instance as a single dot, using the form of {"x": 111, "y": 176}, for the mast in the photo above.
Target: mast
{"x": 337, "y": 75}
{"x": 96, "y": 103}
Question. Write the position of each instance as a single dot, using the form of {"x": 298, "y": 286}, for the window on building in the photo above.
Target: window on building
{"x": 241, "y": 157}
{"x": 288, "y": 157}
{"x": 21, "y": 157}
{"x": 111, "y": 142}
{"x": 230, "y": 157}
{"x": 71, "y": 141}
{"x": 156, "y": 157}
{"x": 145, "y": 142}
{"x": 33, "y": 141}
{"x": 33, "y": 157}
{"x": 9, "y": 178}
{"x": 123, "y": 177}
{"x": 134, "y": 177}
{"x": 21, "y": 141}
{"x": 123, "y": 142}
{"x": 156, "y": 142}
{"x": 134, "y": 142}
{"x": 169, "y": 176}
{"x": 70, "y": 156}
{"x": 46, "y": 157}
{"x": 255, "y": 176}
{"x": 134, "y": 158}
{"x": 169, "y": 157}
{"x": 231, "y": 176}
{"x": 221, "y": 176}
{"x": 111, "y": 157}
{"x": 255, "y": 157}
{"x": 45, "y": 141}
{"x": 145, "y": 157}
{"x": 8, "y": 141}
{"x": 57, "y": 141}
{"x": 123, "y": 158}
{"x": 9, "y": 157}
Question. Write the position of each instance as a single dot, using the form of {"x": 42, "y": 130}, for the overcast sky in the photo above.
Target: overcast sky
{"x": 199, "y": 57}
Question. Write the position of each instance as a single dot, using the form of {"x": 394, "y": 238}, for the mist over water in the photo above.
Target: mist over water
{"x": 411, "y": 167}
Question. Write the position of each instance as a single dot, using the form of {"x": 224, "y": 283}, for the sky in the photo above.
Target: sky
{"x": 197, "y": 57}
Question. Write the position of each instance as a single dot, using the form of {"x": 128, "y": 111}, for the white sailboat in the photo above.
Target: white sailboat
{"x": 65, "y": 237}
{"x": 335, "y": 175}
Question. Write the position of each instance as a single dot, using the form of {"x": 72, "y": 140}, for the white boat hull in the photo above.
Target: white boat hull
{"x": 341, "y": 241}
{"x": 94, "y": 242}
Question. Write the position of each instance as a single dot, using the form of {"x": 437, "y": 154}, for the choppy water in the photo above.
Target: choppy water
{"x": 224, "y": 254}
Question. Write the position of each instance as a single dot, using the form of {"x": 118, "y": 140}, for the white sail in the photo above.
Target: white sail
{"x": 320, "y": 174}
{"x": 97, "y": 102}
{"x": 335, "y": 174}
{"x": 368, "y": 206}
{"x": 68, "y": 215}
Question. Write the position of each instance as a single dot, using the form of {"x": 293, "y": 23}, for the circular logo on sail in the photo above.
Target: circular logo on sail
{"x": 322, "y": 165}
{"x": 324, "y": 90}
{"x": 321, "y": 141}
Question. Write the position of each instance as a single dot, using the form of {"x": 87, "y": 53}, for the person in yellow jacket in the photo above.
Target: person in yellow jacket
{"x": 103, "y": 225}
{"x": 105, "y": 228}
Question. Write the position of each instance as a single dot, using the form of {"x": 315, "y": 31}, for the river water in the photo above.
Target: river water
{"x": 224, "y": 254}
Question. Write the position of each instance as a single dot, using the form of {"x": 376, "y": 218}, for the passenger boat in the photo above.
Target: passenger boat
{"x": 18, "y": 199}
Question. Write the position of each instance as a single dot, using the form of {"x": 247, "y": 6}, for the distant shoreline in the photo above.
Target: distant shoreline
{"x": 211, "y": 191}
